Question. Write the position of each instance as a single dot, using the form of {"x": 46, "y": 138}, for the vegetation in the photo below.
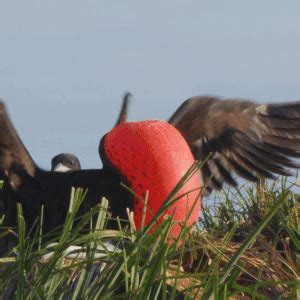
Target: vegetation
{"x": 247, "y": 247}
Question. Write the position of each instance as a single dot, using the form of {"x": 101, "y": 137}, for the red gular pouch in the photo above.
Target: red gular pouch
{"x": 153, "y": 156}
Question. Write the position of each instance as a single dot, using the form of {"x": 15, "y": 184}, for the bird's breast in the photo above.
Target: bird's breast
{"x": 153, "y": 156}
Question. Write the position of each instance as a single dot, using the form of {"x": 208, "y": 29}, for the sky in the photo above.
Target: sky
{"x": 64, "y": 65}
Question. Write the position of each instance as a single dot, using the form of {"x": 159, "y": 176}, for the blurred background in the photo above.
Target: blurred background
{"x": 64, "y": 65}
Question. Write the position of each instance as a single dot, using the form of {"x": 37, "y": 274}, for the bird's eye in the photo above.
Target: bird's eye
{"x": 72, "y": 162}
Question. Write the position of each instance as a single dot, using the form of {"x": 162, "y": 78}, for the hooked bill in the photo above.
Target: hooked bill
{"x": 61, "y": 168}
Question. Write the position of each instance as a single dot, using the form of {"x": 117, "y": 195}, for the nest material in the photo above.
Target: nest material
{"x": 262, "y": 262}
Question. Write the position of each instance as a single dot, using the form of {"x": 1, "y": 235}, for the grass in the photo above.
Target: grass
{"x": 247, "y": 247}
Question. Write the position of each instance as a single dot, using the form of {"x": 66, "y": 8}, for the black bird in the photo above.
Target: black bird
{"x": 243, "y": 137}
{"x": 65, "y": 162}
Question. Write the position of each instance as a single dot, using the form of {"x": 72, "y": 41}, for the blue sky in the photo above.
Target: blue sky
{"x": 64, "y": 65}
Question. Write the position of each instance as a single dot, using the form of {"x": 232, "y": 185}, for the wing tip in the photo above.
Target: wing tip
{"x": 124, "y": 109}
{"x": 2, "y": 107}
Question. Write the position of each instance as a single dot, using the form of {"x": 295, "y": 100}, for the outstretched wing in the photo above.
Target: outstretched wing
{"x": 14, "y": 157}
{"x": 249, "y": 139}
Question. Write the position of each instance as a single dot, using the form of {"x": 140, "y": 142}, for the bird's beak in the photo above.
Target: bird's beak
{"x": 61, "y": 168}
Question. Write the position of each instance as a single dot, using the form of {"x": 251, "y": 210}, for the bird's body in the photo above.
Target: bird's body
{"x": 53, "y": 190}
{"x": 241, "y": 137}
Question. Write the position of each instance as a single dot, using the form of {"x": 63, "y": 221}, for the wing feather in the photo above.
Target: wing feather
{"x": 14, "y": 157}
{"x": 243, "y": 137}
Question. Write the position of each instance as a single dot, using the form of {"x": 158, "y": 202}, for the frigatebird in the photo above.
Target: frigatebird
{"x": 243, "y": 137}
